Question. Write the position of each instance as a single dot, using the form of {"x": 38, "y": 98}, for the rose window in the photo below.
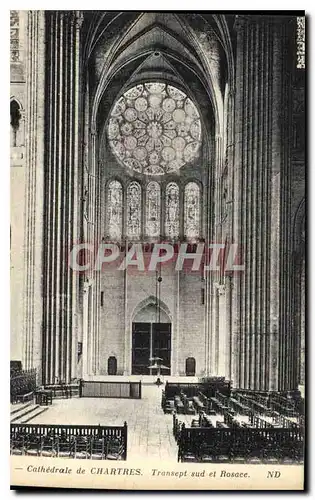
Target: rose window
{"x": 154, "y": 129}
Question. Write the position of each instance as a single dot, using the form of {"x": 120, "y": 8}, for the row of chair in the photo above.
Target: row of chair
{"x": 245, "y": 405}
{"x": 269, "y": 403}
{"x": 208, "y": 386}
{"x": 239, "y": 407}
{"x": 83, "y": 447}
{"x": 199, "y": 403}
{"x": 22, "y": 385}
{"x": 216, "y": 453}
{"x": 238, "y": 445}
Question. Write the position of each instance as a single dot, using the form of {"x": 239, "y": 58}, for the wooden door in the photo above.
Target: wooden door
{"x": 141, "y": 343}
{"x": 162, "y": 345}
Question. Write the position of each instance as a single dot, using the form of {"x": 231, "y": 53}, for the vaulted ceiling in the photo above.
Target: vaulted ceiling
{"x": 122, "y": 48}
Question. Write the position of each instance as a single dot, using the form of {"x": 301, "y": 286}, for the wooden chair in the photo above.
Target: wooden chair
{"x": 190, "y": 453}
{"x": 48, "y": 446}
{"x": 254, "y": 452}
{"x": 114, "y": 449}
{"x": 177, "y": 425}
{"x": 180, "y": 409}
{"x": 32, "y": 444}
{"x": 97, "y": 448}
{"x": 65, "y": 446}
{"x": 206, "y": 453}
{"x": 169, "y": 406}
{"x": 43, "y": 397}
{"x": 222, "y": 452}
{"x": 82, "y": 447}
{"x": 190, "y": 409}
{"x": 17, "y": 444}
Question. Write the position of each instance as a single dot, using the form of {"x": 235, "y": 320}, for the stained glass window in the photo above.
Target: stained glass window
{"x": 154, "y": 128}
{"x": 153, "y": 209}
{"x": 172, "y": 211}
{"x": 134, "y": 210}
{"x": 115, "y": 210}
{"x": 192, "y": 210}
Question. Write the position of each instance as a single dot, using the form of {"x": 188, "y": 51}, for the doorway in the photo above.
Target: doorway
{"x": 150, "y": 340}
{"x": 112, "y": 365}
{"x": 190, "y": 367}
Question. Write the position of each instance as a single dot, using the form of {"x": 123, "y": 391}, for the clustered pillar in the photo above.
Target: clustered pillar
{"x": 34, "y": 167}
{"x": 261, "y": 330}
{"x": 60, "y": 284}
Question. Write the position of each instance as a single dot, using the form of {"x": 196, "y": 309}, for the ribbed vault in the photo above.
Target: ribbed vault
{"x": 118, "y": 44}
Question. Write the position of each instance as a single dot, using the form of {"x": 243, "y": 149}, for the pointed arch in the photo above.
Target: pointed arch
{"x": 14, "y": 98}
{"x": 152, "y": 301}
{"x": 182, "y": 44}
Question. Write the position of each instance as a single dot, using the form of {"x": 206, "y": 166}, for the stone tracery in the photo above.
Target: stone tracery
{"x": 154, "y": 128}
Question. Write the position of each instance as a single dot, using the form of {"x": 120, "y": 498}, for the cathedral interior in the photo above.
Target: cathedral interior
{"x": 158, "y": 127}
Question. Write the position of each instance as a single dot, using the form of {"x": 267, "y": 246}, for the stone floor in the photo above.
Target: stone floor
{"x": 149, "y": 430}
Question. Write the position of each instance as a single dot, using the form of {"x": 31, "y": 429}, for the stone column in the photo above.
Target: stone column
{"x": 281, "y": 373}
{"x": 176, "y": 328}
{"x": 213, "y": 340}
{"x": 261, "y": 204}
{"x": 61, "y": 221}
{"x": 239, "y": 214}
{"x": 228, "y": 320}
{"x": 302, "y": 305}
{"x": 227, "y": 224}
{"x": 221, "y": 368}
{"x": 34, "y": 167}
{"x": 128, "y": 334}
{"x": 85, "y": 337}
{"x": 208, "y": 234}
{"x": 215, "y": 277}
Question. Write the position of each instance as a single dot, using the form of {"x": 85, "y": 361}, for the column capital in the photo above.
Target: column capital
{"x": 86, "y": 285}
{"x": 75, "y": 17}
{"x": 229, "y": 282}
{"x": 79, "y": 18}
{"x": 240, "y": 22}
{"x": 220, "y": 288}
